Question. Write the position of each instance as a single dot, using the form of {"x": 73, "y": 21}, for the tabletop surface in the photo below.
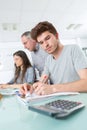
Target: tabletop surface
{"x": 14, "y": 116}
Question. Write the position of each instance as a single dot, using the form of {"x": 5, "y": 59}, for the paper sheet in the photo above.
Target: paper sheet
{"x": 8, "y": 91}
{"x": 36, "y": 98}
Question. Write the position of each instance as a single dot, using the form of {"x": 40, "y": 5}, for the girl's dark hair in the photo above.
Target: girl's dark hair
{"x": 42, "y": 27}
{"x": 26, "y": 64}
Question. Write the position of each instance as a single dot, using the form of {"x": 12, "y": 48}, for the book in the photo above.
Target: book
{"x": 37, "y": 98}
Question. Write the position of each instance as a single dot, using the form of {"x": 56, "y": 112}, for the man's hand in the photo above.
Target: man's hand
{"x": 42, "y": 89}
{"x": 25, "y": 88}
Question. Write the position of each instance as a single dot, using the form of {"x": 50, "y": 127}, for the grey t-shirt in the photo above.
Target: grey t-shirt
{"x": 65, "y": 68}
{"x": 38, "y": 58}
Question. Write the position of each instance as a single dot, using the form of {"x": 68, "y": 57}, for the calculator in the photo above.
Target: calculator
{"x": 58, "y": 108}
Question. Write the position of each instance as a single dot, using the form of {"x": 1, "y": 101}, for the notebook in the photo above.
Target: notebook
{"x": 58, "y": 108}
{"x": 36, "y": 98}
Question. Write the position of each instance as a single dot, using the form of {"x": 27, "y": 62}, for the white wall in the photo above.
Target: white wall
{"x": 81, "y": 42}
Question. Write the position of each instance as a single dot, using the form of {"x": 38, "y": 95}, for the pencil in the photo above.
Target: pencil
{"x": 44, "y": 79}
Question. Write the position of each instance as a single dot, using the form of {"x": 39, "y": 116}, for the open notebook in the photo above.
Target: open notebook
{"x": 35, "y": 98}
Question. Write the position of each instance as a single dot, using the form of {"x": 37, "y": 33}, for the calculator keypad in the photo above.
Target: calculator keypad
{"x": 63, "y": 104}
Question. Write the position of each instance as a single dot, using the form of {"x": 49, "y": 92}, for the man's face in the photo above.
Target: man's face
{"x": 48, "y": 41}
{"x": 28, "y": 43}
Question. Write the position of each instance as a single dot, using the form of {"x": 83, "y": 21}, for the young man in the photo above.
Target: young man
{"x": 37, "y": 53}
{"x": 66, "y": 67}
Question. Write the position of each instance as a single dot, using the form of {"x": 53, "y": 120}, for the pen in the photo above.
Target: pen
{"x": 44, "y": 80}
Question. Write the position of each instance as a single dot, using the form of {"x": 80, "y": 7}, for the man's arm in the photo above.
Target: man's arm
{"x": 76, "y": 86}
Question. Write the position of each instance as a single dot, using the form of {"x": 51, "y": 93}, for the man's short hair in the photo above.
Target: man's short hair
{"x": 27, "y": 34}
{"x": 42, "y": 27}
